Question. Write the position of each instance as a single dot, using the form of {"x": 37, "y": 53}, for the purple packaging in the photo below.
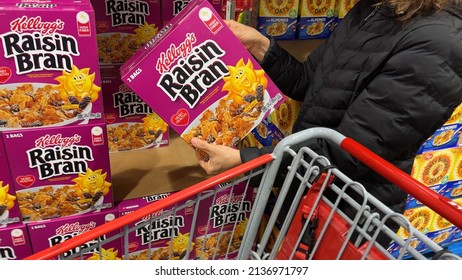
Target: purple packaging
{"x": 14, "y": 242}
{"x": 123, "y": 26}
{"x": 59, "y": 172}
{"x": 49, "y": 72}
{"x": 171, "y": 8}
{"x": 222, "y": 222}
{"x": 168, "y": 233}
{"x": 199, "y": 78}
{"x": 131, "y": 123}
{"x": 9, "y": 210}
{"x": 46, "y": 234}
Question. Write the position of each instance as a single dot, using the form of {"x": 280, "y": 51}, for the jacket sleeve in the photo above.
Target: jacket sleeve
{"x": 291, "y": 76}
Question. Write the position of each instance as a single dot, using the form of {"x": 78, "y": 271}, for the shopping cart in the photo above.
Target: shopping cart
{"x": 314, "y": 225}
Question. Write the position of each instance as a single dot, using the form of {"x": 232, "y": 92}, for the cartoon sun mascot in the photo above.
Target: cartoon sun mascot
{"x": 109, "y": 254}
{"x": 180, "y": 244}
{"x": 243, "y": 81}
{"x": 145, "y": 32}
{"x": 92, "y": 185}
{"x": 153, "y": 125}
{"x": 6, "y": 199}
{"x": 77, "y": 86}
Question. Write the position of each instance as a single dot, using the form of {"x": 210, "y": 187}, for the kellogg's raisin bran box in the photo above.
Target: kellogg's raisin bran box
{"x": 198, "y": 77}
{"x": 49, "y": 73}
{"x": 61, "y": 171}
{"x": 9, "y": 210}
{"x": 222, "y": 221}
{"x": 46, "y": 234}
{"x": 14, "y": 242}
{"x": 167, "y": 230}
{"x": 123, "y": 26}
{"x": 170, "y": 8}
{"x": 131, "y": 123}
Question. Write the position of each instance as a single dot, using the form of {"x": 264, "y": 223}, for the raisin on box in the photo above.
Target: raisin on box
{"x": 198, "y": 77}
{"x": 61, "y": 171}
{"x": 49, "y": 72}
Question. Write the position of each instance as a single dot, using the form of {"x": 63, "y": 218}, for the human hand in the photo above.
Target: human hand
{"x": 255, "y": 42}
{"x": 215, "y": 158}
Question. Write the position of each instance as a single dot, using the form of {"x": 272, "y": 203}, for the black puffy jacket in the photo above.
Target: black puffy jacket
{"x": 387, "y": 85}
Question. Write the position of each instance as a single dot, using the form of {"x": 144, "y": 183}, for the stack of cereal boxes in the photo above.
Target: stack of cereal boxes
{"x": 122, "y": 27}
{"x": 438, "y": 165}
{"x": 51, "y": 122}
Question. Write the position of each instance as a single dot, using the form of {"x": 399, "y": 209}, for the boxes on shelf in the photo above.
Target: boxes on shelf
{"x": 61, "y": 171}
{"x": 169, "y": 229}
{"x": 317, "y": 19}
{"x": 131, "y": 123}
{"x": 9, "y": 210}
{"x": 278, "y": 18}
{"x": 222, "y": 221}
{"x": 49, "y": 72}
{"x": 14, "y": 242}
{"x": 171, "y": 8}
{"x": 208, "y": 84}
{"x": 123, "y": 26}
{"x": 46, "y": 234}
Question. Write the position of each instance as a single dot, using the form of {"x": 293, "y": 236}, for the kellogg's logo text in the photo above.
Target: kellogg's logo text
{"x": 55, "y": 155}
{"x": 197, "y": 69}
{"x": 35, "y": 45}
{"x": 125, "y": 12}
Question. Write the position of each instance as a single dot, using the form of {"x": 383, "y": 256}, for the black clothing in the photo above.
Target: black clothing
{"x": 386, "y": 85}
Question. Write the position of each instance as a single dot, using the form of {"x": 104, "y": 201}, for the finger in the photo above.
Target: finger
{"x": 200, "y": 144}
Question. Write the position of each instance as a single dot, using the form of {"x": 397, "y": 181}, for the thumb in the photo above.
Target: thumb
{"x": 200, "y": 144}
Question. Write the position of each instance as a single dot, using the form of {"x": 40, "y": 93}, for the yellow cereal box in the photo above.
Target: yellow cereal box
{"x": 317, "y": 19}
{"x": 278, "y": 18}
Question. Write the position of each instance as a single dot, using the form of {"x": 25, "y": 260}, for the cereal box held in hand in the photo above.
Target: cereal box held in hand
{"x": 201, "y": 80}
{"x": 61, "y": 171}
{"x": 49, "y": 73}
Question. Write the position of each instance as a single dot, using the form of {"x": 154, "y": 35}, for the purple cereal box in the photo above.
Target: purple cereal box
{"x": 171, "y": 8}
{"x": 222, "y": 222}
{"x": 131, "y": 123}
{"x": 123, "y": 26}
{"x": 165, "y": 236}
{"x": 59, "y": 172}
{"x": 49, "y": 72}
{"x": 14, "y": 242}
{"x": 46, "y": 234}
{"x": 198, "y": 77}
{"x": 9, "y": 210}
